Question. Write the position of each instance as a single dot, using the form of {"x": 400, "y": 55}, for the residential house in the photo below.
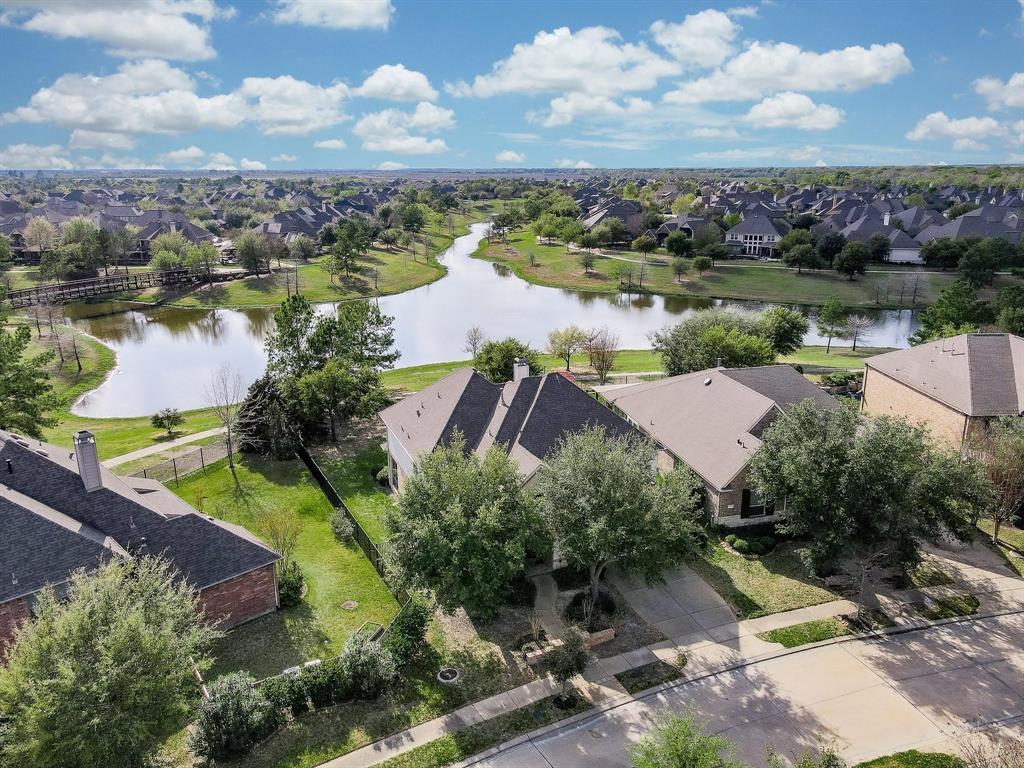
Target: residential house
{"x": 712, "y": 421}
{"x": 953, "y": 386}
{"x": 63, "y": 511}
{"x": 757, "y": 236}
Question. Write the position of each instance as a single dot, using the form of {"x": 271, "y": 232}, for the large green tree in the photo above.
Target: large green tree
{"x": 461, "y": 527}
{"x": 955, "y": 310}
{"x": 602, "y": 504}
{"x": 25, "y": 390}
{"x": 831, "y": 320}
{"x": 853, "y": 259}
{"x": 495, "y": 359}
{"x": 103, "y": 675}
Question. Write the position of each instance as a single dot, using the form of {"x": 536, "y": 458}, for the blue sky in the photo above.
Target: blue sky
{"x": 348, "y": 84}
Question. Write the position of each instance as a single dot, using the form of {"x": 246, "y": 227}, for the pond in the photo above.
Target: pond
{"x": 165, "y": 355}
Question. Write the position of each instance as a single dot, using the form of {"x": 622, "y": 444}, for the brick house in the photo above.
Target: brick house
{"x": 712, "y": 422}
{"x": 953, "y": 386}
{"x": 61, "y": 511}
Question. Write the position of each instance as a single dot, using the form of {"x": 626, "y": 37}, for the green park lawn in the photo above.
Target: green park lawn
{"x": 553, "y": 265}
{"x": 915, "y": 759}
{"x": 335, "y": 571}
{"x": 353, "y": 479}
{"x": 808, "y": 632}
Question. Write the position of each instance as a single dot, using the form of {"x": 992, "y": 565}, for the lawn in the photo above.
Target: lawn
{"x": 335, "y": 572}
{"x": 914, "y": 759}
{"x": 758, "y": 587}
{"x": 808, "y": 632}
{"x": 354, "y": 478}
{"x": 649, "y": 675}
{"x": 553, "y": 265}
{"x": 949, "y": 607}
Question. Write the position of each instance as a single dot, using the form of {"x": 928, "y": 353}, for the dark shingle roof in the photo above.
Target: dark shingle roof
{"x": 781, "y": 383}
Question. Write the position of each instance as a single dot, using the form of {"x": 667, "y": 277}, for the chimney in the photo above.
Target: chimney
{"x": 885, "y": 218}
{"x": 88, "y": 461}
{"x": 520, "y": 369}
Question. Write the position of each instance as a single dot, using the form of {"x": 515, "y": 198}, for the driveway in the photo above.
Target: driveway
{"x": 868, "y": 697}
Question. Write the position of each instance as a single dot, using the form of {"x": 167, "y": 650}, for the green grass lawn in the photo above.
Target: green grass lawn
{"x": 647, "y": 676}
{"x": 949, "y": 607}
{"x": 770, "y": 584}
{"x": 353, "y": 479}
{"x": 914, "y": 759}
{"x": 335, "y": 572}
{"x": 808, "y": 632}
{"x": 756, "y": 281}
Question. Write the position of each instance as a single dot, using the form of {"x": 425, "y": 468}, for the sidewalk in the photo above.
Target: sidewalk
{"x": 124, "y": 458}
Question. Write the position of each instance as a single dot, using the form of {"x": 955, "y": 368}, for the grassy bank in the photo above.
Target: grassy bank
{"x": 553, "y": 265}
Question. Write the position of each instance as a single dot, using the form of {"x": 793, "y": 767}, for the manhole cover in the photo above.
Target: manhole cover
{"x": 350, "y": 605}
{"x": 596, "y": 734}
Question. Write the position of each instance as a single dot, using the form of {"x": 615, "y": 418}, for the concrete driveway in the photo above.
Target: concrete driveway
{"x": 683, "y": 604}
{"x": 867, "y": 697}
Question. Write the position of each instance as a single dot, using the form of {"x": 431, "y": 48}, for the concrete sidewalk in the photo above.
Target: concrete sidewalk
{"x": 124, "y": 458}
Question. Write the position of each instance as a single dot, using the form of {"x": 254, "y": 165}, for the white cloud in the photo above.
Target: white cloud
{"x": 819, "y": 163}
{"x": 330, "y": 144}
{"x": 565, "y": 162}
{"x": 804, "y": 154}
{"x": 284, "y": 158}
{"x": 147, "y": 96}
{"x": 766, "y": 68}
{"x": 390, "y": 130}
{"x": 287, "y": 106}
{"x": 184, "y": 156}
{"x": 85, "y": 139}
{"x": 166, "y": 29}
{"x": 219, "y": 161}
{"x": 251, "y": 165}
{"x": 713, "y": 132}
{"x": 28, "y": 157}
{"x": 593, "y": 60}
{"x": 396, "y": 83}
{"x": 794, "y": 110}
{"x": 510, "y": 156}
{"x": 107, "y": 160}
{"x": 565, "y": 109}
{"x": 194, "y": 157}
{"x": 701, "y": 40}
{"x": 335, "y": 14}
{"x": 1000, "y": 95}
{"x": 518, "y": 136}
{"x": 966, "y": 132}
{"x": 1018, "y": 131}
{"x": 391, "y": 165}
{"x": 745, "y": 11}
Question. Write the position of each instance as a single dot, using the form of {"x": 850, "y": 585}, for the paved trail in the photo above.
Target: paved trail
{"x": 124, "y": 458}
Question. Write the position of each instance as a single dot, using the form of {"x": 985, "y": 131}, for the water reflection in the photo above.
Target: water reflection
{"x": 166, "y": 355}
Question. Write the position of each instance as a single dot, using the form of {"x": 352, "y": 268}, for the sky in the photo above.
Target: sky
{"x": 392, "y": 84}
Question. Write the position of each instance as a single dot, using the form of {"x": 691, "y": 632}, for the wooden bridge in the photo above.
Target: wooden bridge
{"x": 77, "y": 290}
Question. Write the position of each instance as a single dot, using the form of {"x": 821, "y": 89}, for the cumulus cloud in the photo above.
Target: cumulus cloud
{"x": 1000, "y": 95}
{"x": 251, "y": 165}
{"x": 330, "y": 144}
{"x": 714, "y": 132}
{"x": 219, "y": 161}
{"x": 565, "y": 162}
{"x": 592, "y": 60}
{"x": 107, "y": 160}
{"x": 392, "y": 130}
{"x": 336, "y": 14}
{"x": 510, "y": 156}
{"x": 967, "y": 133}
{"x": 803, "y": 154}
{"x": 166, "y": 29}
{"x": 194, "y": 157}
{"x": 284, "y": 158}
{"x": 29, "y": 157}
{"x": 766, "y": 68}
{"x": 565, "y": 109}
{"x": 86, "y": 139}
{"x": 794, "y": 110}
{"x": 287, "y": 106}
{"x": 184, "y": 156}
{"x": 396, "y": 83}
{"x": 701, "y": 40}
{"x": 391, "y": 165}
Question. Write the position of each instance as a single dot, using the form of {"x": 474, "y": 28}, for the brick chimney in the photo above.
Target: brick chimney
{"x": 520, "y": 369}
{"x": 88, "y": 461}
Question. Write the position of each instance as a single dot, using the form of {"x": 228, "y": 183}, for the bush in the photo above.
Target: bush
{"x": 367, "y": 666}
{"x": 290, "y": 584}
{"x": 754, "y": 547}
{"x": 742, "y": 546}
{"x": 575, "y": 610}
{"x": 233, "y": 719}
{"x": 768, "y": 544}
{"x": 341, "y": 525}
{"x": 278, "y": 691}
{"x": 325, "y": 683}
{"x": 408, "y": 632}
{"x": 730, "y": 539}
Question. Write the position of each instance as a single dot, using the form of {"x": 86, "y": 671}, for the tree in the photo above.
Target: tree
{"x": 783, "y": 328}
{"x": 235, "y": 717}
{"x": 343, "y": 253}
{"x": 280, "y": 527}
{"x": 802, "y": 257}
{"x": 475, "y": 337}
{"x": 164, "y": 261}
{"x": 566, "y": 342}
{"x": 959, "y": 209}
{"x": 461, "y": 526}
{"x": 123, "y": 242}
{"x": 6, "y": 254}
{"x": 103, "y": 673}
{"x": 587, "y": 241}
{"x": 857, "y": 326}
{"x": 793, "y": 238}
{"x": 831, "y": 320}
{"x": 337, "y": 392}
{"x": 703, "y": 264}
{"x": 569, "y": 659}
{"x": 304, "y": 248}
{"x": 709, "y": 234}
{"x": 681, "y": 741}
{"x": 1001, "y": 448}
{"x": 167, "y": 418}
{"x": 680, "y": 267}
{"x": 853, "y": 259}
{"x": 645, "y": 245}
{"x": 981, "y": 261}
{"x": 174, "y": 242}
{"x": 956, "y": 306}
{"x": 411, "y": 216}
{"x": 495, "y": 359}
{"x": 829, "y": 246}
{"x": 678, "y": 244}
{"x": 602, "y": 349}
{"x": 40, "y": 235}
{"x": 614, "y": 230}
{"x": 587, "y": 260}
{"x": 252, "y": 252}
{"x": 879, "y": 247}
{"x": 710, "y": 337}
{"x": 25, "y": 390}
{"x": 224, "y": 394}
{"x": 714, "y": 252}
{"x": 601, "y": 504}
{"x": 201, "y": 259}
{"x": 942, "y": 252}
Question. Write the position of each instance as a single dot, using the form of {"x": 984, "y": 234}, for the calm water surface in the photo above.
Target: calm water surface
{"x": 165, "y": 355}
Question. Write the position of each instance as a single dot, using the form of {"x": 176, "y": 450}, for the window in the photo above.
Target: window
{"x": 755, "y": 505}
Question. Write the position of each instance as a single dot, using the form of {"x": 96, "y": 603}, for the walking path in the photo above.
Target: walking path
{"x": 124, "y": 458}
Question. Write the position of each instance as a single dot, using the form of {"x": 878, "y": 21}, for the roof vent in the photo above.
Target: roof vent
{"x": 707, "y": 382}
{"x": 10, "y": 467}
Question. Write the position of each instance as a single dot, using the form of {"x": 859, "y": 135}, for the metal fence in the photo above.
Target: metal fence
{"x": 173, "y": 469}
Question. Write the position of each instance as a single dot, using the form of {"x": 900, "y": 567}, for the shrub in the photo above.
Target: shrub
{"x": 233, "y": 719}
{"x": 290, "y": 584}
{"x": 768, "y": 544}
{"x": 405, "y": 638}
{"x": 754, "y": 547}
{"x": 278, "y": 691}
{"x": 576, "y": 609}
{"x": 383, "y": 476}
{"x": 742, "y": 546}
{"x": 325, "y": 683}
{"x": 367, "y": 666}
{"x": 341, "y": 525}
{"x": 730, "y": 539}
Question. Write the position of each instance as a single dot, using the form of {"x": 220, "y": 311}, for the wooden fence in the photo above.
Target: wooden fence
{"x": 76, "y": 290}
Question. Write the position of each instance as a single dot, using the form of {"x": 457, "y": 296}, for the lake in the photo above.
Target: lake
{"x": 165, "y": 355}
